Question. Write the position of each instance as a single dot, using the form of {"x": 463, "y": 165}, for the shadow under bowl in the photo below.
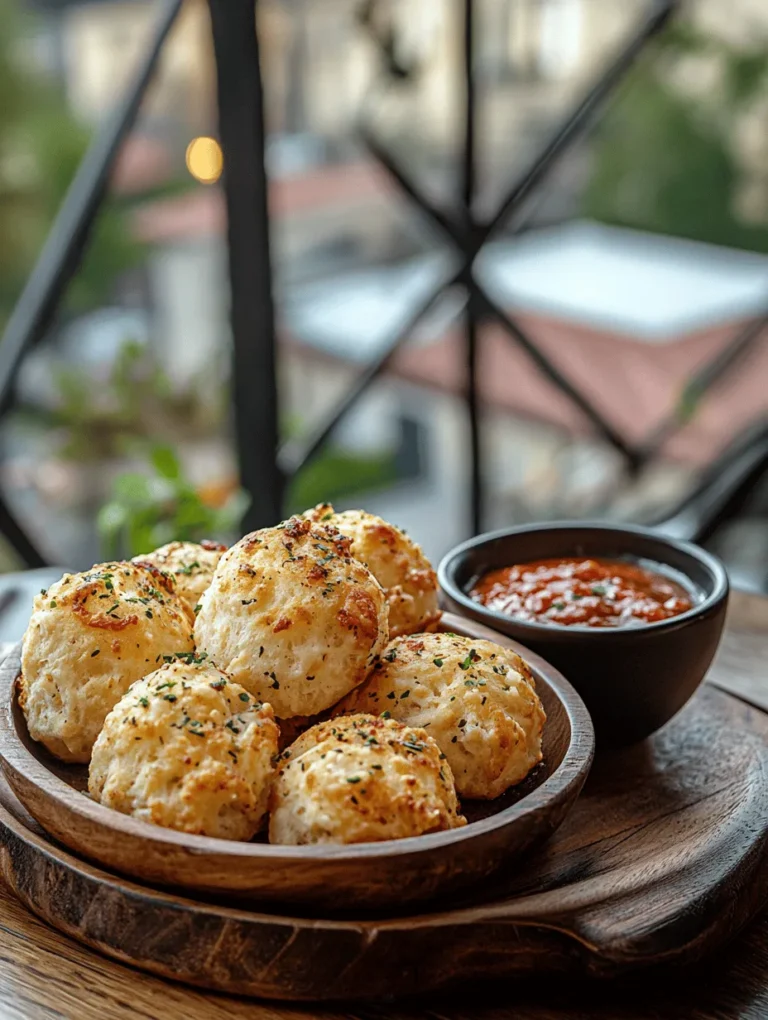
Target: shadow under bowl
{"x": 632, "y": 679}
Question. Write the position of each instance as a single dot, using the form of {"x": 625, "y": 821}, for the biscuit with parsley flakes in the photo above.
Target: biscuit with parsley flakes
{"x": 475, "y": 698}
{"x": 397, "y": 563}
{"x": 361, "y": 779}
{"x": 293, "y": 617}
{"x": 89, "y": 637}
{"x": 188, "y": 749}
{"x": 191, "y": 563}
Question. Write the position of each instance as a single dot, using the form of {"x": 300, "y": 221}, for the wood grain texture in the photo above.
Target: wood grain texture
{"x": 315, "y": 876}
{"x": 46, "y": 976}
{"x": 661, "y": 861}
{"x": 737, "y": 666}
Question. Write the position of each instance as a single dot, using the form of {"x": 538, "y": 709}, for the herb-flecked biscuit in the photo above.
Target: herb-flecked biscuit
{"x": 361, "y": 779}
{"x": 187, "y": 749}
{"x": 192, "y": 565}
{"x": 90, "y": 636}
{"x": 475, "y": 698}
{"x": 397, "y": 563}
{"x": 293, "y": 617}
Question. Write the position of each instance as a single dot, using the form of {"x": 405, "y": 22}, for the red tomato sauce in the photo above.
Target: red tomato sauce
{"x": 584, "y": 592}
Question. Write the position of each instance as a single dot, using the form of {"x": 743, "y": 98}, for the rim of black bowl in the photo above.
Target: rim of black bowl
{"x": 553, "y": 631}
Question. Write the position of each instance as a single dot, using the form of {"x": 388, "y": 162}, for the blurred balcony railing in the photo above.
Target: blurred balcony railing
{"x": 266, "y": 462}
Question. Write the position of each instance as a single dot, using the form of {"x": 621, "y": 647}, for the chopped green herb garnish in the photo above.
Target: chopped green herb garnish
{"x": 245, "y": 697}
{"x": 143, "y": 701}
{"x": 190, "y": 658}
{"x": 353, "y": 779}
{"x": 438, "y": 662}
{"x": 413, "y": 746}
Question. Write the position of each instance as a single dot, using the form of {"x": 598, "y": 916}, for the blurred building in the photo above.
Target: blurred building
{"x": 95, "y": 44}
{"x": 628, "y": 316}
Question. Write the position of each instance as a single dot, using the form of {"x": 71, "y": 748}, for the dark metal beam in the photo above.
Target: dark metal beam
{"x": 469, "y": 237}
{"x": 551, "y": 372}
{"x": 295, "y": 453}
{"x": 65, "y": 244}
{"x": 574, "y": 124}
{"x": 242, "y": 135}
{"x": 437, "y": 216}
{"x": 712, "y": 373}
{"x": 723, "y": 490}
{"x": 18, "y": 539}
{"x": 578, "y": 119}
{"x": 473, "y": 311}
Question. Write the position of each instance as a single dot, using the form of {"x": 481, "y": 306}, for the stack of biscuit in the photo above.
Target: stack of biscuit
{"x": 297, "y": 675}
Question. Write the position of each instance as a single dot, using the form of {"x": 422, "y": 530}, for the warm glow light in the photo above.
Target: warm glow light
{"x": 205, "y": 160}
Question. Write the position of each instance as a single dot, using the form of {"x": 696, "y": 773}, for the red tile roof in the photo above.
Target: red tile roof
{"x": 633, "y": 384}
{"x": 201, "y": 212}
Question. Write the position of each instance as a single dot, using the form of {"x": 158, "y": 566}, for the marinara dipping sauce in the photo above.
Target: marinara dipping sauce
{"x": 584, "y": 592}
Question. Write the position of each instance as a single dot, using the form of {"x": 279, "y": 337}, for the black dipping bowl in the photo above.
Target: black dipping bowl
{"x": 633, "y": 679}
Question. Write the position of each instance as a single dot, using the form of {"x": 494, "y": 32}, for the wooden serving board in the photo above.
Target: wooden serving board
{"x": 661, "y": 860}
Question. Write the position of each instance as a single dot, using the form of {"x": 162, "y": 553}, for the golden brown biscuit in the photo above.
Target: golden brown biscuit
{"x": 90, "y": 636}
{"x": 293, "y": 617}
{"x": 475, "y": 698}
{"x": 192, "y": 565}
{"x": 361, "y": 779}
{"x": 397, "y": 563}
{"x": 187, "y": 749}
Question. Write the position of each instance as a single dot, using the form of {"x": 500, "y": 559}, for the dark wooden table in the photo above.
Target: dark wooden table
{"x": 43, "y": 975}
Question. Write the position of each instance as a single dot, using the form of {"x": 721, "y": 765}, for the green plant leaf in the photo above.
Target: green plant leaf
{"x": 166, "y": 463}
{"x": 132, "y": 489}
{"x": 147, "y": 511}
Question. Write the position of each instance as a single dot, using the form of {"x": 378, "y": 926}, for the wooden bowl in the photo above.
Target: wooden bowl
{"x": 388, "y": 874}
